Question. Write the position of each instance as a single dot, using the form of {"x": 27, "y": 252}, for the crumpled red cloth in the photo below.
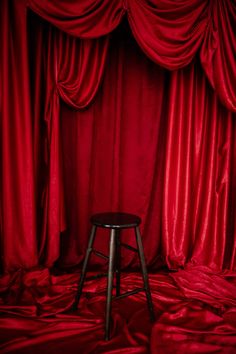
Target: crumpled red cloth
{"x": 195, "y": 313}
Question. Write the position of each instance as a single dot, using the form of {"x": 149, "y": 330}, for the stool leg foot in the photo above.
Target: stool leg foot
{"x": 110, "y": 283}
{"x": 84, "y": 268}
{"x": 117, "y": 263}
{"x": 144, "y": 273}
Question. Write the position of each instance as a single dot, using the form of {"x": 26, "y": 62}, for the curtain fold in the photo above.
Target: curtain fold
{"x": 170, "y": 33}
{"x": 154, "y": 142}
{"x": 73, "y": 69}
{"x": 198, "y": 174}
{"x": 169, "y": 160}
{"x": 84, "y": 19}
{"x": 218, "y": 52}
{"x": 80, "y": 67}
{"x": 195, "y": 314}
{"x": 186, "y": 191}
{"x": 17, "y": 184}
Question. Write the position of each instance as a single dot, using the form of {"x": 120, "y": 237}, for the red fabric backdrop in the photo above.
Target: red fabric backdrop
{"x": 136, "y": 137}
{"x": 18, "y": 215}
{"x": 129, "y": 152}
{"x": 153, "y": 142}
{"x": 169, "y": 32}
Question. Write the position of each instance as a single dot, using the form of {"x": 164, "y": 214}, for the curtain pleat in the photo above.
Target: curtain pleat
{"x": 171, "y": 33}
{"x": 161, "y": 145}
{"x": 130, "y": 136}
{"x": 17, "y": 188}
{"x": 74, "y": 70}
{"x": 84, "y": 19}
{"x": 80, "y": 66}
{"x": 154, "y": 142}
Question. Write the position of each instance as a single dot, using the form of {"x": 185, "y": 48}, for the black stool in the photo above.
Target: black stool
{"x": 115, "y": 222}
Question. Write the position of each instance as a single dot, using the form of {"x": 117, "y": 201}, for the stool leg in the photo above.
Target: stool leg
{"x": 144, "y": 273}
{"x": 117, "y": 264}
{"x": 84, "y": 268}
{"x": 110, "y": 283}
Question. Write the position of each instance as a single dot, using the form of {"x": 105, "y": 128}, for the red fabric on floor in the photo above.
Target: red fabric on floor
{"x": 151, "y": 142}
{"x": 195, "y": 313}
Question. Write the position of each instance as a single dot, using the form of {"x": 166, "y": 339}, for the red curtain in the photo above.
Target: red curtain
{"x": 18, "y": 230}
{"x": 186, "y": 207}
{"x": 128, "y": 151}
{"x": 145, "y": 140}
{"x": 169, "y": 32}
{"x": 76, "y": 79}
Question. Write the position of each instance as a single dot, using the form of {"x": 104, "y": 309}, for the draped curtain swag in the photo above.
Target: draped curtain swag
{"x": 169, "y": 32}
{"x": 153, "y": 140}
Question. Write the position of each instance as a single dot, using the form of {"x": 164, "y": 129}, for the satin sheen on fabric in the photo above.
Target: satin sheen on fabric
{"x": 195, "y": 311}
{"x": 151, "y": 142}
{"x": 169, "y": 32}
{"x": 167, "y": 158}
{"x": 129, "y": 152}
{"x": 17, "y": 203}
{"x": 75, "y": 78}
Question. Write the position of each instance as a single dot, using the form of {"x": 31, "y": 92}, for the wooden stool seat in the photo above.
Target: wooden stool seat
{"x": 116, "y": 222}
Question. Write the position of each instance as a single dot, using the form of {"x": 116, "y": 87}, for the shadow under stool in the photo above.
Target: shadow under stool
{"x": 115, "y": 222}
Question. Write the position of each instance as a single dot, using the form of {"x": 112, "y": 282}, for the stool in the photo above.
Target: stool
{"x": 115, "y": 222}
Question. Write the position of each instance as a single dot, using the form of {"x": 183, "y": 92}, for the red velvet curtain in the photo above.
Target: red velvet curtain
{"x": 145, "y": 140}
{"x": 75, "y": 78}
{"x": 129, "y": 151}
{"x": 32, "y": 186}
{"x": 169, "y": 32}
{"x": 18, "y": 229}
{"x": 187, "y": 208}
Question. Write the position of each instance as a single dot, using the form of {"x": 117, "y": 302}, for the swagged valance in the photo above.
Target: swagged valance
{"x": 169, "y": 32}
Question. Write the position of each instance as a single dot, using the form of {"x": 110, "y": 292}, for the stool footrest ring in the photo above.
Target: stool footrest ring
{"x": 129, "y": 247}
{"x": 97, "y": 276}
{"x": 100, "y": 254}
{"x": 128, "y": 293}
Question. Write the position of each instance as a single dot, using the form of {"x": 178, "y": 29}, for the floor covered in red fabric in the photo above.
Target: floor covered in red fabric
{"x": 195, "y": 313}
